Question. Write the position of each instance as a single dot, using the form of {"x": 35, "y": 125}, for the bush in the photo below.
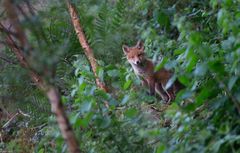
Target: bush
{"x": 199, "y": 40}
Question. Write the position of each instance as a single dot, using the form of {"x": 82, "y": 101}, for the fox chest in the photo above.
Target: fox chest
{"x": 142, "y": 72}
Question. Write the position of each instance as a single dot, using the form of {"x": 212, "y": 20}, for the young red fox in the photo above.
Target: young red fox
{"x": 144, "y": 68}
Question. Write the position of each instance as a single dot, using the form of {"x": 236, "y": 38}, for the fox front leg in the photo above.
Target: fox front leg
{"x": 151, "y": 85}
{"x": 171, "y": 94}
{"x": 163, "y": 94}
{"x": 144, "y": 83}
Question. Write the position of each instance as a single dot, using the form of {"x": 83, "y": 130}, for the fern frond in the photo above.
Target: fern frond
{"x": 119, "y": 14}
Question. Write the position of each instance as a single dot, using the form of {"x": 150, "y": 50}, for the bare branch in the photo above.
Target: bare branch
{"x": 10, "y": 120}
{"x": 5, "y": 30}
{"x": 22, "y": 12}
{"x": 19, "y": 112}
{"x": 84, "y": 43}
{"x": 87, "y": 49}
{"x": 51, "y": 91}
{"x": 30, "y": 8}
{"x": 22, "y": 113}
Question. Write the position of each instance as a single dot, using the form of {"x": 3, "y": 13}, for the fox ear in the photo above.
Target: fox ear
{"x": 125, "y": 49}
{"x": 140, "y": 44}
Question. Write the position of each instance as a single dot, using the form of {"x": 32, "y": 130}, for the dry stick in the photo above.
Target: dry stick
{"x": 51, "y": 91}
{"x": 83, "y": 41}
{"x": 19, "y": 112}
{"x": 5, "y": 30}
{"x": 10, "y": 120}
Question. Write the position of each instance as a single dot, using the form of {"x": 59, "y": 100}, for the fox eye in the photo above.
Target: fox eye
{"x": 140, "y": 54}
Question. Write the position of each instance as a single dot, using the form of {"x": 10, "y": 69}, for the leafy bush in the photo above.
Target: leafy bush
{"x": 199, "y": 40}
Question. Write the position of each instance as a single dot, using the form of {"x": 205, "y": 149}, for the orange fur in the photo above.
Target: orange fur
{"x": 144, "y": 69}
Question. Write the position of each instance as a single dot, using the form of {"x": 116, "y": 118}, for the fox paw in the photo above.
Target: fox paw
{"x": 167, "y": 101}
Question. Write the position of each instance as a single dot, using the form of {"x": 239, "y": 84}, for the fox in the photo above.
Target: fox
{"x": 144, "y": 69}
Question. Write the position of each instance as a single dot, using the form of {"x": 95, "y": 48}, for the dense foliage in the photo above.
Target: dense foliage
{"x": 199, "y": 40}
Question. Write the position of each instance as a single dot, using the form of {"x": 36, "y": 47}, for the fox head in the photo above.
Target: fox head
{"x": 135, "y": 55}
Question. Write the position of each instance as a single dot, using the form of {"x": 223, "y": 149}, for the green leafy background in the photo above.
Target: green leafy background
{"x": 199, "y": 40}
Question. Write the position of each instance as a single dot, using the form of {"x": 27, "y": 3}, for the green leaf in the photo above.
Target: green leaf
{"x": 214, "y": 3}
{"x": 86, "y": 106}
{"x": 100, "y": 73}
{"x": 216, "y": 66}
{"x": 132, "y": 112}
{"x": 200, "y": 70}
{"x": 83, "y": 122}
{"x": 127, "y": 84}
{"x": 186, "y": 94}
{"x": 163, "y": 19}
{"x": 195, "y": 38}
{"x": 161, "y": 148}
{"x": 113, "y": 73}
{"x": 103, "y": 122}
{"x": 125, "y": 100}
{"x": 228, "y": 3}
{"x": 184, "y": 80}
{"x": 41, "y": 150}
{"x": 106, "y": 122}
{"x": 191, "y": 59}
{"x": 203, "y": 95}
{"x": 171, "y": 81}
{"x": 178, "y": 51}
{"x": 161, "y": 64}
{"x": 172, "y": 109}
{"x": 191, "y": 63}
{"x": 101, "y": 93}
{"x": 82, "y": 87}
{"x": 232, "y": 82}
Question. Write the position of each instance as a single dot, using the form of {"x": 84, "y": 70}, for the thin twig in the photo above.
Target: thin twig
{"x": 39, "y": 127}
{"x": 19, "y": 112}
{"x": 10, "y": 120}
{"x": 22, "y": 113}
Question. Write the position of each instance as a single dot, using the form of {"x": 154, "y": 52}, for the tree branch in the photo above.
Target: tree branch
{"x": 5, "y": 30}
{"x": 83, "y": 41}
{"x": 51, "y": 91}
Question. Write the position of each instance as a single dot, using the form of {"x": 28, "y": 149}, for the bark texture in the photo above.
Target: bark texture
{"x": 17, "y": 44}
{"x": 84, "y": 43}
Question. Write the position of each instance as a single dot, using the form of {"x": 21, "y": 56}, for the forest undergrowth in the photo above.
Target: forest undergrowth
{"x": 198, "y": 40}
